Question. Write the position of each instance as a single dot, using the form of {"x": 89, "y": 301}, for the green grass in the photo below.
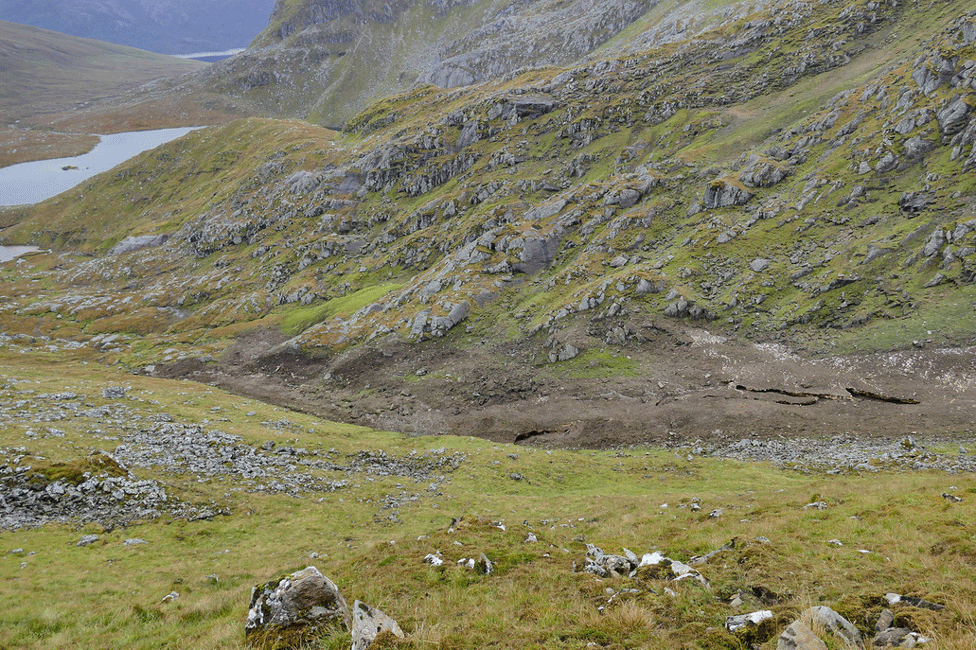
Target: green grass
{"x": 298, "y": 320}
{"x": 637, "y": 498}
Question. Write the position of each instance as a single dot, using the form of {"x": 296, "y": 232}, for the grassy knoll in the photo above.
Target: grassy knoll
{"x": 371, "y": 534}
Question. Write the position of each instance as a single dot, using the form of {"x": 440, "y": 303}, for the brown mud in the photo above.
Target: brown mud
{"x": 680, "y": 385}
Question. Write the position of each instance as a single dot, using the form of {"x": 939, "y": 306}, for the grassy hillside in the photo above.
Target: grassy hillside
{"x": 740, "y": 190}
{"x": 46, "y": 72}
{"x": 391, "y": 500}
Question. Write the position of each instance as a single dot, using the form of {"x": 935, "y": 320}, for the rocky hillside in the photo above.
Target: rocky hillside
{"x": 800, "y": 172}
{"x": 45, "y": 72}
{"x": 324, "y": 60}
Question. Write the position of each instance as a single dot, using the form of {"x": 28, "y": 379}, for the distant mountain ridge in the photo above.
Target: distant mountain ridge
{"x": 46, "y": 72}
{"x": 164, "y": 26}
{"x": 325, "y": 60}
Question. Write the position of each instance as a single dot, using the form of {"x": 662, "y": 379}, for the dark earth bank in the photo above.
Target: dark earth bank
{"x": 668, "y": 383}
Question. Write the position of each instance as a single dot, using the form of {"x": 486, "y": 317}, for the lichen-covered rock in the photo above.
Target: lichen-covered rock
{"x": 370, "y": 624}
{"x": 799, "y": 637}
{"x": 289, "y": 612}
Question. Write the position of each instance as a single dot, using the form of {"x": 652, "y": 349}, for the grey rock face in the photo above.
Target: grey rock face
{"x": 368, "y": 623}
{"x": 935, "y": 243}
{"x": 296, "y": 606}
{"x": 564, "y": 352}
{"x": 952, "y": 119}
{"x": 723, "y": 193}
{"x": 114, "y": 392}
{"x": 759, "y": 265}
{"x": 537, "y": 253}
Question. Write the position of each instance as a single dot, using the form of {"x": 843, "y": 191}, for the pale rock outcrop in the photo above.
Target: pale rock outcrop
{"x": 369, "y": 623}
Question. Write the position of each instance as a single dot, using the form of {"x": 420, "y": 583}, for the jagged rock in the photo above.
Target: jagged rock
{"x": 733, "y": 623}
{"x": 917, "y": 146}
{"x": 86, "y": 540}
{"x": 469, "y": 134}
{"x": 887, "y": 163}
{"x": 533, "y": 106}
{"x": 724, "y": 192}
{"x": 762, "y": 173}
{"x": 537, "y": 253}
{"x": 439, "y": 325}
{"x": 952, "y": 119}
{"x": 936, "y": 280}
{"x": 831, "y": 620}
{"x": 625, "y": 198}
{"x": 563, "y": 352}
{"x": 677, "y": 309}
{"x": 369, "y": 624}
{"x": 676, "y": 570}
{"x": 914, "y": 201}
{"x": 894, "y": 598}
{"x": 114, "y": 392}
{"x": 291, "y": 611}
{"x": 935, "y": 243}
{"x": 433, "y": 560}
{"x": 484, "y": 565}
{"x": 644, "y": 286}
{"x": 885, "y": 620}
{"x": 799, "y": 637}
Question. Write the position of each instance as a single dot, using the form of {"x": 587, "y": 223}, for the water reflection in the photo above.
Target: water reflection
{"x": 8, "y": 253}
{"x": 36, "y": 181}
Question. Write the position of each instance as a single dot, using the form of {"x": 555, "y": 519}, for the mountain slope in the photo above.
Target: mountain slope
{"x": 46, "y": 72}
{"x": 797, "y": 173}
{"x": 325, "y": 60}
{"x": 166, "y": 26}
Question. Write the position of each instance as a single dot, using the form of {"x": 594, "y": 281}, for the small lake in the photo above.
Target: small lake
{"x": 8, "y": 253}
{"x": 33, "y": 182}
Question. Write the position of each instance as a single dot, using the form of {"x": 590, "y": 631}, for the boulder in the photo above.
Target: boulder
{"x": 893, "y": 637}
{"x": 291, "y": 611}
{"x": 799, "y": 637}
{"x": 759, "y": 265}
{"x": 733, "y": 623}
{"x": 834, "y": 622}
{"x": 370, "y": 624}
{"x": 935, "y": 243}
{"x": 537, "y": 252}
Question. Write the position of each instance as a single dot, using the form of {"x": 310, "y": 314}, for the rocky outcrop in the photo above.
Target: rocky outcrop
{"x": 725, "y": 192}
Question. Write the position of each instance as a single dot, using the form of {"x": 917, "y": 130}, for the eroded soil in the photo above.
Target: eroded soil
{"x": 678, "y": 385}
